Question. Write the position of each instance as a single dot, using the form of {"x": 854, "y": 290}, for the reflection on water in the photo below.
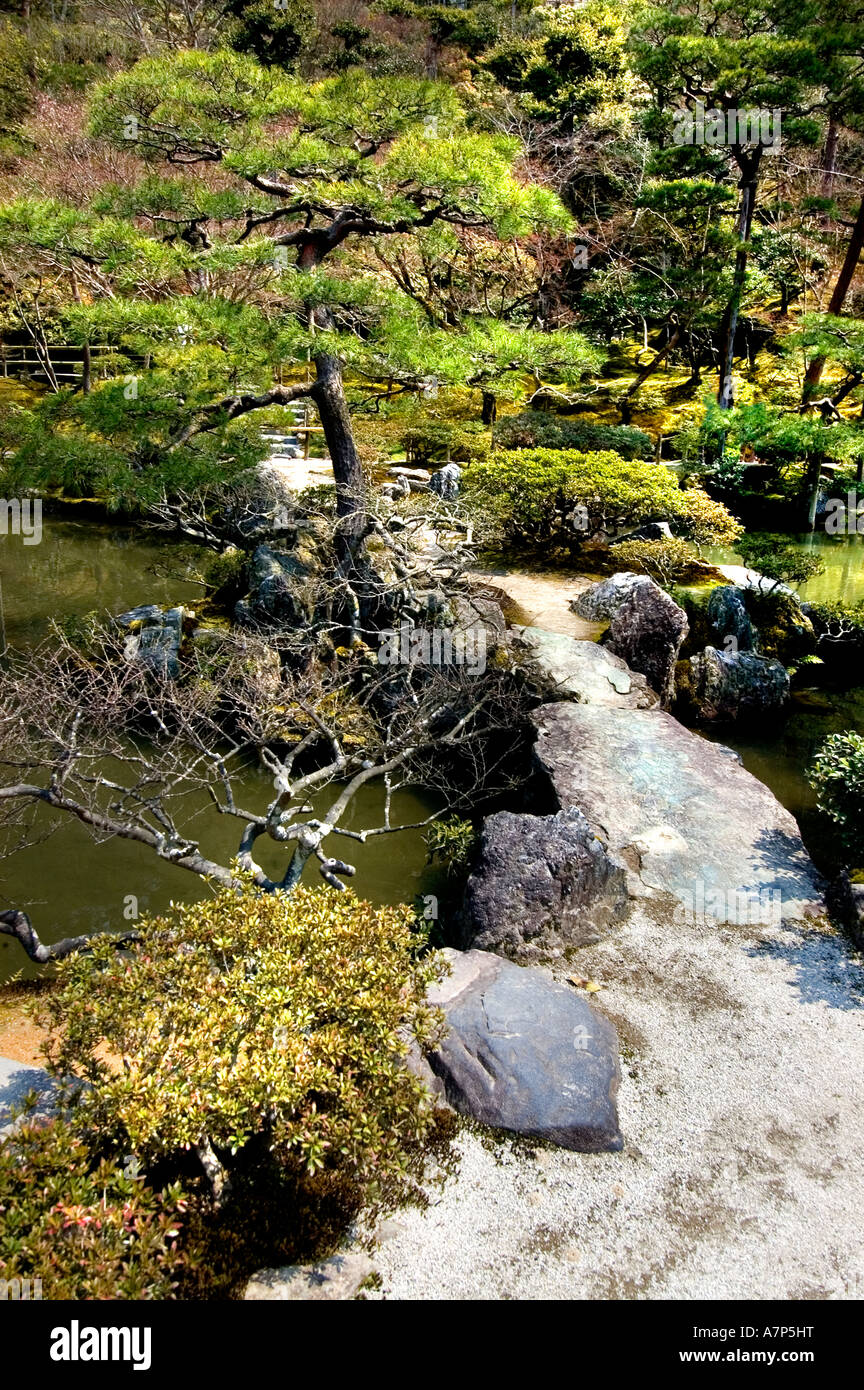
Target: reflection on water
{"x": 843, "y": 557}
{"x": 80, "y": 566}
{"x": 779, "y": 756}
{"x": 70, "y": 884}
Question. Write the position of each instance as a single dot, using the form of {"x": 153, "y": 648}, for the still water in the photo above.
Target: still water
{"x": 842, "y": 556}
{"x": 780, "y": 755}
{"x": 70, "y": 884}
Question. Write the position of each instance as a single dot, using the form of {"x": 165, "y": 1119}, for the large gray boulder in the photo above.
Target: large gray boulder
{"x": 690, "y": 821}
{"x": 446, "y": 482}
{"x": 736, "y": 686}
{"x": 602, "y": 600}
{"x": 646, "y": 631}
{"x": 525, "y": 1054}
{"x": 276, "y": 581}
{"x": 565, "y": 668}
{"x": 541, "y": 884}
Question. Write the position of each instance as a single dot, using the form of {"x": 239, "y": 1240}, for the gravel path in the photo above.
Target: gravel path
{"x": 742, "y": 1108}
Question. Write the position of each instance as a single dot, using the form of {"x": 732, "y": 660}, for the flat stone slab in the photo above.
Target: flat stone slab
{"x": 332, "y": 1280}
{"x": 525, "y": 1054}
{"x": 569, "y": 669}
{"x": 16, "y": 1080}
{"x": 682, "y": 812}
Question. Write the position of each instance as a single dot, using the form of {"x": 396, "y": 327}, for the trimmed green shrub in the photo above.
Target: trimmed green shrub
{"x": 560, "y": 498}
{"x": 536, "y": 429}
{"x": 666, "y": 561}
{"x": 254, "y": 1019}
{"x": 837, "y": 774}
{"x": 439, "y": 441}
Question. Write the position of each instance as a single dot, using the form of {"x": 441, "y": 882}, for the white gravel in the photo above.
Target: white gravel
{"x": 742, "y": 1109}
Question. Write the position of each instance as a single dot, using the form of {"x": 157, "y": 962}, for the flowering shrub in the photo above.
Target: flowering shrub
{"x": 87, "y": 1228}
{"x": 254, "y": 1021}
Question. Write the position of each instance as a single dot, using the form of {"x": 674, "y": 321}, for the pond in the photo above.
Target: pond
{"x": 843, "y": 557}
{"x": 70, "y": 884}
{"x": 780, "y": 755}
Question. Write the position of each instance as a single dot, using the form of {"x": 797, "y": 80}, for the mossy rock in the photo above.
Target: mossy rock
{"x": 784, "y": 630}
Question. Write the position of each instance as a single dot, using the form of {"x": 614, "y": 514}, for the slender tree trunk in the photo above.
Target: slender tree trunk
{"x": 329, "y": 396}
{"x": 660, "y": 356}
{"x": 748, "y": 185}
{"x": 838, "y": 296}
{"x": 490, "y": 408}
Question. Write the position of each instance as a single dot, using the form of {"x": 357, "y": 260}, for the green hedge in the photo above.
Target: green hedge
{"x": 536, "y": 429}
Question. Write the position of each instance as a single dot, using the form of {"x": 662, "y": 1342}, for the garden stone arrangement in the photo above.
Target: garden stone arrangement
{"x": 431, "y": 663}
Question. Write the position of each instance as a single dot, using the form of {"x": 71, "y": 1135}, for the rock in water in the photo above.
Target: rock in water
{"x": 541, "y": 883}
{"x": 565, "y": 668}
{"x": 685, "y": 815}
{"x": 729, "y": 686}
{"x": 155, "y": 638}
{"x": 646, "y": 631}
{"x": 525, "y": 1054}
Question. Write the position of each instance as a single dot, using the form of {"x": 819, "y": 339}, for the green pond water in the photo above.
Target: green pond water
{"x": 780, "y": 755}
{"x": 69, "y": 883}
{"x": 843, "y": 557}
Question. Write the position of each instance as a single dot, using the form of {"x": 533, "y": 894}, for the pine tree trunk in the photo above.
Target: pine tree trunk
{"x": 838, "y": 296}
{"x": 748, "y": 184}
{"x": 329, "y": 396}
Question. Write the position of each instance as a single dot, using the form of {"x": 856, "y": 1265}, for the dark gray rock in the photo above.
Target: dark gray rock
{"x": 688, "y": 819}
{"x": 446, "y": 482}
{"x": 276, "y": 579}
{"x": 651, "y": 531}
{"x": 737, "y": 686}
{"x": 728, "y": 617}
{"x": 155, "y": 638}
{"x": 541, "y": 884}
{"x": 598, "y": 603}
{"x": 565, "y": 668}
{"x": 527, "y": 1055}
{"x": 646, "y": 631}
{"x": 145, "y": 612}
